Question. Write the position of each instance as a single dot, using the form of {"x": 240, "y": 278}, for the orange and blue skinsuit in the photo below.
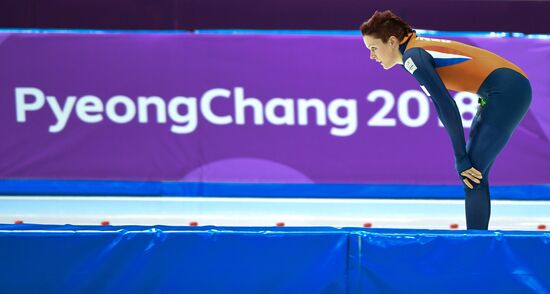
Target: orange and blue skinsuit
{"x": 441, "y": 65}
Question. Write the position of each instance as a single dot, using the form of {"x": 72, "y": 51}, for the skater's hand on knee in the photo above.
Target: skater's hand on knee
{"x": 467, "y": 183}
{"x": 472, "y": 175}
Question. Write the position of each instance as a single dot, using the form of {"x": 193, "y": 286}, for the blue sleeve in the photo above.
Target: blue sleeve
{"x": 422, "y": 66}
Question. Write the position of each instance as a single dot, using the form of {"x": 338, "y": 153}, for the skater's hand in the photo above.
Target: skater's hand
{"x": 473, "y": 175}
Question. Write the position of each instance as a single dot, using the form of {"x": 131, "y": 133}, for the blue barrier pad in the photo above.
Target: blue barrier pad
{"x": 163, "y": 259}
{"x": 203, "y": 189}
{"x": 69, "y": 259}
{"x": 422, "y": 261}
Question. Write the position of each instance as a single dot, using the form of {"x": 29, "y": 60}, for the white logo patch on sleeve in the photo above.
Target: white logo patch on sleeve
{"x": 409, "y": 65}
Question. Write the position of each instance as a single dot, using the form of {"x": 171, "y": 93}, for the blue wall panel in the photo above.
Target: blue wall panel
{"x": 201, "y": 189}
{"x": 408, "y": 261}
{"x": 161, "y": 259}
{"x": 67, "y": 259}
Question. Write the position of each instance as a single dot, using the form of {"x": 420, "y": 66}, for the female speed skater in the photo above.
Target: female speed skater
{"x": 441, "y": 65}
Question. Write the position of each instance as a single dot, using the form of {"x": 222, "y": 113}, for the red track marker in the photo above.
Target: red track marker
{"x": 18, "y": 222}
{"x": 193, "y": 223}
{"x": 280, "y": 224}
{"x": 454, "y": 226}
{"x": 367, "y": 225}
{"x": 542, "y": 227}
{"x": 105, "y": 223}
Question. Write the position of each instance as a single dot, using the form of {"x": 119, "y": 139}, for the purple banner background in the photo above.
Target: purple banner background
{"x": 265, "y": 67}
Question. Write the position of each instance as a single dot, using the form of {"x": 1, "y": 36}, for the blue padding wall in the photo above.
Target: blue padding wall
{"x": 409, "y": 261}
{"x": 68, "y": 259}
{"x": 202, "y": 189}
{"x": 92, "y": 259}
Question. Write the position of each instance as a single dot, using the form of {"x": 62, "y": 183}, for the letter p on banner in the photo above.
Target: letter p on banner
{"x": 21, "y": 106}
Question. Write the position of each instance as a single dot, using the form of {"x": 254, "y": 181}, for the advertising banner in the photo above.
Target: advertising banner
{"x": 242, "y": 109}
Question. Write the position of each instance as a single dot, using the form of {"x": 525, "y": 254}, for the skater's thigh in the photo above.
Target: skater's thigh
{"x": 485, "y": 143}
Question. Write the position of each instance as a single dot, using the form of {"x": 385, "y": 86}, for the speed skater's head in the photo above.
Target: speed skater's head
{"x": 382, "y": 35}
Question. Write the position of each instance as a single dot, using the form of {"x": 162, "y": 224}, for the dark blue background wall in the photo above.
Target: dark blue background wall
{"x": 498, "y": 15}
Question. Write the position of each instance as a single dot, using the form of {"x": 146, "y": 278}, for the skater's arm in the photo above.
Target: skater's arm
{"x": 421, "y": 65}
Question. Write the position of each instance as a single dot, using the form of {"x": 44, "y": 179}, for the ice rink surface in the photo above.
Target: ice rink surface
{"x": 235, "y": 211}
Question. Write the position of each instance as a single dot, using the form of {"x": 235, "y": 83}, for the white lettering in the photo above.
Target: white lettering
{"x": 206, "y": 107}
{"x": 320, "y": 110}
{"x": 189, "y": 120}
{"x": 184, "y": 112}
{"x": 61, "y": 114}
{"x": 380, "y": 119}
{"x": 86, "y": 106}
{"x": 403, "y": 108}
{"x": 288, "y": 111}
{"x": 129, "y": 113}
{"x": 143, "y": 104}
{"x": 349, "y": 122}
{"x": 21, "y": 107}
{"x": 241, "y": 103}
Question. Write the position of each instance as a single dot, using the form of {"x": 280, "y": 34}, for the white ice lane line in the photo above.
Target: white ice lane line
{"x": 176, "y": 207}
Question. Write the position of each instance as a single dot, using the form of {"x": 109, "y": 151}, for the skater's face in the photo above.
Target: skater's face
{"x": 387, "y": 54}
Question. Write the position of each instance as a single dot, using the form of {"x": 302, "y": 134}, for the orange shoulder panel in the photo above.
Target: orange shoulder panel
{"x": 467, "y": 75}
